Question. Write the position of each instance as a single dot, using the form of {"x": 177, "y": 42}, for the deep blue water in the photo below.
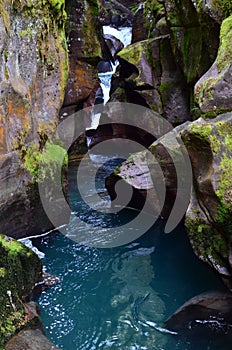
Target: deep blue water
{"x": 116, "y": 298}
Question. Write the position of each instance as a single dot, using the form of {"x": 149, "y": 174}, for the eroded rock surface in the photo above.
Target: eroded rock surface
{"x": 32, "y": 81}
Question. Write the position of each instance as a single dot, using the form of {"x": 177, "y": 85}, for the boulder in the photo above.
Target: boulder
{"x": 114, "y": 44}
{"x": 104, "y": 67}
{"x": 208, "y": 218}
{"x": 210, "y": 312}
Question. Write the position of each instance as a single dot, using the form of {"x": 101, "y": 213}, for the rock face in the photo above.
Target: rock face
{"x": 208, "y": 218}
{"x": 16, "y": 260}
{"x": 32, "y": 80}
{"x": 84, "y": 44}
{"x": 174, "y": 44}
{"x": 213, "y": 91}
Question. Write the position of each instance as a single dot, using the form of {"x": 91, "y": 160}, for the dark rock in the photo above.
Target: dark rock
{"x": 210, "y": 312}
{"x": 170, "y": 96}
{"x": 208, "y": 217}
{"x": 114, "y": 44}
{"x": 139, "y": 28}
{"x": 104, "y": 67}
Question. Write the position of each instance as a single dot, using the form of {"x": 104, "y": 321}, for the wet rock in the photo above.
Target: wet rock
{"x": 84, "y": 44}
{"x": 114, "y": 44}
{"x": 194, "y": 38}
{"x": 139, "y": 28}
{"x": 157, "y": 78}
{"x": 210, "y": 312}
{"x": 213, "y": 91}
{"x": 104, "y": 67}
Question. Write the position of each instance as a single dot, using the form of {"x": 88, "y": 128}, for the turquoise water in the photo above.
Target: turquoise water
{"x": 118, "y": 298}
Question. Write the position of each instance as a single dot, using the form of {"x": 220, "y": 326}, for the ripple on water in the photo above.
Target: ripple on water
{"x": 118, "y": 298}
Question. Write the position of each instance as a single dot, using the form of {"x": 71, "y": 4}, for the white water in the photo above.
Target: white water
{"x": 27, "y": 242}
{"x": 124, "y": 34}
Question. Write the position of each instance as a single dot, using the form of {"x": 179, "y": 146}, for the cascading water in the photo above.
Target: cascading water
{"x": 124, "y": 34}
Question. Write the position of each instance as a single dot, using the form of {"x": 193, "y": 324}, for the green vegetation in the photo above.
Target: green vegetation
{"x": 206, "y": 241}
{"x": 153, "y": 10}
{"x": 202, "y": 131}
{"x": 20, "y": 269}
{"x": 225, "y": 48}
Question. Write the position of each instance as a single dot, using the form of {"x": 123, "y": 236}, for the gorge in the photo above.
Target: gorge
{"x": 176, "y": 67}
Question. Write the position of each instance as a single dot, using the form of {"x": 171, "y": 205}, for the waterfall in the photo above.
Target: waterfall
{"x": 124, "y": 34}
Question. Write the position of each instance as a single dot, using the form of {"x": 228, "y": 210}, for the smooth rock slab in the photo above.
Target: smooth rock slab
{"x": 209, "y": 311}
{"x": 31, "y": 339}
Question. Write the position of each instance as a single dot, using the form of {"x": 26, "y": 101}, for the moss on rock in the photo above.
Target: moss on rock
{"x": 209, "y": 216}
{"x": 20, "y": 269}
{"x": 213, "y": 91}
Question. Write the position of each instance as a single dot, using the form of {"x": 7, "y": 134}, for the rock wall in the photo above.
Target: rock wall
{"x": 174, "y": 44}
{"x": 85, "y": 45}
{"x": 34, "y": 68}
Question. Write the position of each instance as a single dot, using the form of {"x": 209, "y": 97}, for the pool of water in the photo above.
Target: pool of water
{"x": 118, "y": 298}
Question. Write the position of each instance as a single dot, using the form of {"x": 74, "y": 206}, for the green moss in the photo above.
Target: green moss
{"x": 92, "y": 47}
{"x": 225, "y": 48}
{"x": 202, "y": 131}
{"x": 12, "y": 246}
{"x": 153, "y": 10}
{"x": 214, "y": 143}
{"x": 20, "y": 269}
{"x": 205, "y": 241}
{"x": 41, "y": 162}
{"x": 25, "y": 32}
{"x": 132, "y": 53}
